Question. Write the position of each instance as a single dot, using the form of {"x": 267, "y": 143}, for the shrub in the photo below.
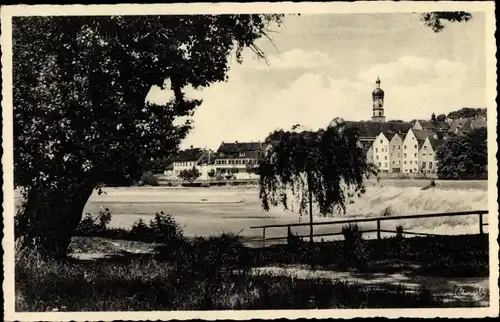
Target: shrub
{"x": 354, "y": 249}
{"x": 149, "y": 179}
{"x": 94, "y": 225}
{"x": 163, "y": 228}
{"x": 400, "y": 244}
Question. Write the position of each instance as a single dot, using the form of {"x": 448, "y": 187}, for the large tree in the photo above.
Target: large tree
{"x": 317, "y": 167}
{"x": 464, "y": 156}
{"x": 80, "y": 110}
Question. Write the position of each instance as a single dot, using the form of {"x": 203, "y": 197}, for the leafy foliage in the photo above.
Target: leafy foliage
{"x": 80, "y": 110}
{"x": 80, "y": 105}
{"x": 441, "y": 117}
{"x": 467, "y": 112}
{"x": 190, "y": 175}
{"x": 354, "y": 249}
{"x": 148, "y": 178}
{"x": 328, "y": 162}
{"x": 464, "y": 156}
{"x": 435, "y": 20}
{"x": 94, "y": 224}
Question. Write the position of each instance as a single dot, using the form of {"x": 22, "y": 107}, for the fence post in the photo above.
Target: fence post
{"x": 264, "y": 236}
{"x": 378, "y": 229}
{"x": 481, "y": 223}
{"x": 289, "y": 233}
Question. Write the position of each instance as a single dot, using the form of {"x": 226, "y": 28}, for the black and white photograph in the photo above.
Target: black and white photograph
{"x": 246, "y": 161}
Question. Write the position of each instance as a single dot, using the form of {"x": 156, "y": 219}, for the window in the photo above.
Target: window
{"x": 411, "y": 162}
{"x": 423, "y": 154}
{"x": 430, "y": 165}
{"x": 405, "y": 146}
{"x": 377, "y": 157}
{"x": 405, "y": 155}
{"x": 430, "y": 153}
{"x": 379, "y": 164}
{"x": 399, "y": 147}
{"x": 376, "y": 149}
{"x": 242, "y": 154}
{"x": 415, "y": 146}
{"x": 385, "y": 157}
{"x": 415, "y": 155}
{"x": 425, "y": 147}
{"x": 381, "y": 141}
{"x": 423, "y": 165}
{"x": 405, "y": 161}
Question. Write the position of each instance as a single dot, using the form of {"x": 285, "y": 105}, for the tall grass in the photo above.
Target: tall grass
{"x": 150, "y": 284}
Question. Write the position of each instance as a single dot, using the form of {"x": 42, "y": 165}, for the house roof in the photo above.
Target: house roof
{"x": 389, "y": 135}
{"x": 236, "y": 147}
{"x": 373, "y": 129}
{"x": 429, "y": 125}
{"x": 190, "y": 155}
{"x": 435, "y": 143}
{"x": 421, "y": 135}
{"x": 478, "y": 123}
{"x": 462, "y": 124}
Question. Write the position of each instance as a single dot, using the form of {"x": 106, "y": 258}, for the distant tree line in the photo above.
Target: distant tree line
{"x": 464, "y": 156}
{"x": 467, "y": 112}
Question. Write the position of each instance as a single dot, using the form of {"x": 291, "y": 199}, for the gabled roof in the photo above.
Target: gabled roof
{"x": 373, "y": 129}
{"x": 238, "y": 147}
{"x": 389, "y": 135}
{"x": 190, "y": 155}
{"x": 460, "y": 124}
{"x": 421, "y": 135}
{"x": 478, "y": 123}
{"x": 435, "y": 143}
{"x": 429, "y": 125}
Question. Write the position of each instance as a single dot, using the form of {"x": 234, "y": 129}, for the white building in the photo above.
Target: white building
{"x": 381, "y": 151}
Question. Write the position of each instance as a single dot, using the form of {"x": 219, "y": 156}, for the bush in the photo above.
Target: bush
{"x": 354, "y": 249}
{"x": 163, "y": 228}
{"x": 93, "y": 225}
{"x": 149, "y": 179}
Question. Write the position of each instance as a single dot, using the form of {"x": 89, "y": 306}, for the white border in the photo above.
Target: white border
{"x": 285, "y": 7}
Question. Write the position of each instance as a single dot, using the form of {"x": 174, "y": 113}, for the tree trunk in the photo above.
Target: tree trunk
{"x": 309, "y": 183}
{"x": 49, "y": 219}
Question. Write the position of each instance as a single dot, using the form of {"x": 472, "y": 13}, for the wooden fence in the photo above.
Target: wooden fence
{"x": 378, "y": 220}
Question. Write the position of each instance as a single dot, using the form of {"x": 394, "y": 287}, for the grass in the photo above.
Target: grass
{"x": 154, "y": 267}
{"x": 214, "y": 273}
{"x": 151, "y": 284}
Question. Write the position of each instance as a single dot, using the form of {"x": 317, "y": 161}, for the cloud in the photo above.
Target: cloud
{"x": 253, "y": 103}
{"x": 414, "y": 70}
{"x": 294, "y": 59}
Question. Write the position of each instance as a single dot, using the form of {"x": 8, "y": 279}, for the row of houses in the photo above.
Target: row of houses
{"x": 394, "y": 147}
{"x": 231, "y": 160}
{"x": 410, "y": 147}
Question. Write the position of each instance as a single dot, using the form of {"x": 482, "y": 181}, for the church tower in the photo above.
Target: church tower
{"x": 378, "y": 103}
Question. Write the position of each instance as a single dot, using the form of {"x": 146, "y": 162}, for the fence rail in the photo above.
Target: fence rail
{"x": 378, "y": 220}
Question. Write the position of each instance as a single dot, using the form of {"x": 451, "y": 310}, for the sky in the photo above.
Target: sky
{"x": 324, "y": 66}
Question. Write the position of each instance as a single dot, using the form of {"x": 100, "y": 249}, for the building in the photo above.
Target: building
{"x": 378, "y": 103}
{"x": 395, "y": 153}
{"x": 381, "y": 151}
{"x": 412, "y": 144}
{"x": 467, "y": 124}
{"x": 237, "y": 159}
{"x": 427, "y": 156}
{"x": 201, "y": 159}
{"x": 440, "y": 128}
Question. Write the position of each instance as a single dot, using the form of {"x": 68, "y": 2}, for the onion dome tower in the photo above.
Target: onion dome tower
{"x": 378, "y": 103}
